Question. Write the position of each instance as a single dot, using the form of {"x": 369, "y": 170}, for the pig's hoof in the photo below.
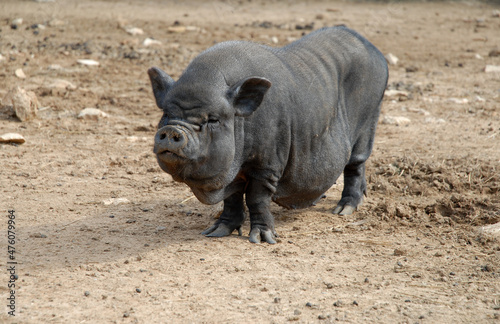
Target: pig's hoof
{"x": 344, "y": 210}
{"x": 262, "y": 233}
{"x": 220, "y": 229}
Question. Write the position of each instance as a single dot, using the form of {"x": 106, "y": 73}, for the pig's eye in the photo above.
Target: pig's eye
{"x": 212, "y": 122}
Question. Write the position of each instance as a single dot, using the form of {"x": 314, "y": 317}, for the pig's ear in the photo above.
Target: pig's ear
{"x": 248, "y": 94}
{"x": 161, "y": 82}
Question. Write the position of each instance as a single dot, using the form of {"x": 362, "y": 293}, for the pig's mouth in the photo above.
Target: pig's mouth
{"x": 169, "y": 154}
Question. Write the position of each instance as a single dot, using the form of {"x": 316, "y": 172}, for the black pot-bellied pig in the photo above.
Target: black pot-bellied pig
{"x": 276, "y": 124}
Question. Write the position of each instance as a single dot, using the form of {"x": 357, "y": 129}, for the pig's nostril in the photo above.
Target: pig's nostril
{"x": 176, "y": 138}
{"x": 162, "y": 136}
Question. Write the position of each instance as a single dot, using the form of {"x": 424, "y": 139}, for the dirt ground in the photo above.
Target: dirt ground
{"x": 415, "y": 252}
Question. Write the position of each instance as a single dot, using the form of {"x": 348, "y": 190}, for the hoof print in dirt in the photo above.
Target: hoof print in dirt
{"x": 271, "y": 124}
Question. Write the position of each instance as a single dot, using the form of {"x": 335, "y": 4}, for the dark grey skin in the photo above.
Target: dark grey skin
{"x": 247, "y": 123}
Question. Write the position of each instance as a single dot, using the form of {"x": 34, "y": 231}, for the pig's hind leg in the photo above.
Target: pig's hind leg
{"x": 354, "y": 174}
{"x": 231, "y": 219}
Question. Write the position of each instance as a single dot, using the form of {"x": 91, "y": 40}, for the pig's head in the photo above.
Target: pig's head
{"x": 200, "y": 136}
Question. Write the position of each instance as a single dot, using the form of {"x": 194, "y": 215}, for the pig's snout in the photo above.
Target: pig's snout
{"x": 171, "y": 139}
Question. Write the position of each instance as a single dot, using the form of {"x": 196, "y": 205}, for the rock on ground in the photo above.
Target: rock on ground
{"x": 24, "y": 104}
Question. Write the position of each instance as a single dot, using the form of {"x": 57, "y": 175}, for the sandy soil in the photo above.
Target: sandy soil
{"x": 415, "y": 252}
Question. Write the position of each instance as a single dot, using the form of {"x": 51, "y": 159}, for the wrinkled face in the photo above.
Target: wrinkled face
{"x": 195, "y": 139}
{"x": 195, "y": 142}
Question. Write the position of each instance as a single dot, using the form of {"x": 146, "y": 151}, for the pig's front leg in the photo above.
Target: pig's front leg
{"x": 258, "y": 198}
{"x": 231, "y": 218}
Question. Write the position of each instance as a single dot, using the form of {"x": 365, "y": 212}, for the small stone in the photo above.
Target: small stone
{"x": 16, "y": 22}
{"x": 308, "y": 304}
{"x": 367, "y": 280}
{"x": 177, "y": 29}
{"x": 138, "y": 290}
{"x": 54, "y": 67}
{"x": 487, "y": 268}
{"x": 338, "y": 303}
{"x": 59, "y": 87}
{"x": 492, "y": 68}
{"x": 22, "y": 103}
{"x": 277, "y": 300}
{"x": 411, "y": 69}
{"x": 399, "y": 252}
{"x": 86, "y": 293}
{"x": 12, "y": 138}
{"x": 161, "y": 228}
{"x": 297, "y": 312}
{"x": 126, "y": 315}
{"x": 38, "y": 235}
{"x": 275, "y": 40}
{"x": 355, "y": 303}
{"x": 434, "y": 120}
{"x": 396, "y": 120}
{"x": 115, "y": 201}
{"x": 20, "y": 74}
{"x": 92, "y": 114}
{"x": 494, "y": 52}
{"x": 134, "y": 31}
{"x": 2, "y": 58}
{"x": 396, "y": 94}
{"x": 87, "y": 62}
{"x": 478, "y": 56}
{"x": 459, "y": 101}
{"x": 321, "y": 317}
{"x": 391, "y": 59}
{"x": 56, "y": 23}
{"x": 150, "y": 41}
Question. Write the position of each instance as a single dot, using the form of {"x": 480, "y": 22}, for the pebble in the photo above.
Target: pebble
{"x": 493, "y": 229}
{"x": 87, "y": 293}
{"x": 134, "y": 31}
{"x": 434, "y": 120}
{"x": 20, "y": 74}
{"x": 54, "y": 67}
{"x": 396, "y": 120}
{"x": 459, "y": 101}
{"x": 138, "y": 290}
{"x": 161, "y": 228}
{"x": 23, "y": 103}
{"x": 274, "y": 39}
{"x": 391, "y": 59}
{"x": 150, "y": 41}
{"x": 494, "y": 52}
{"x": 59, "y": 87}
{"x": 396, "y": 94}
{"x": 12, "y": 138}
{"x": 16, "y": 22}
{"x": 2, "y": 58}
{"x": 92, "y": 114}
{"x": 399, "y": 252}
{"x": 492, "y": 68}
{"x": 87, "y": 62}
{"x": 177, "y": 29}
{"x": 135, "y": 139}
{"x": 38, "y": 235}
{"x": 115, "y": 201}
{"x": 56, "y": 23}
